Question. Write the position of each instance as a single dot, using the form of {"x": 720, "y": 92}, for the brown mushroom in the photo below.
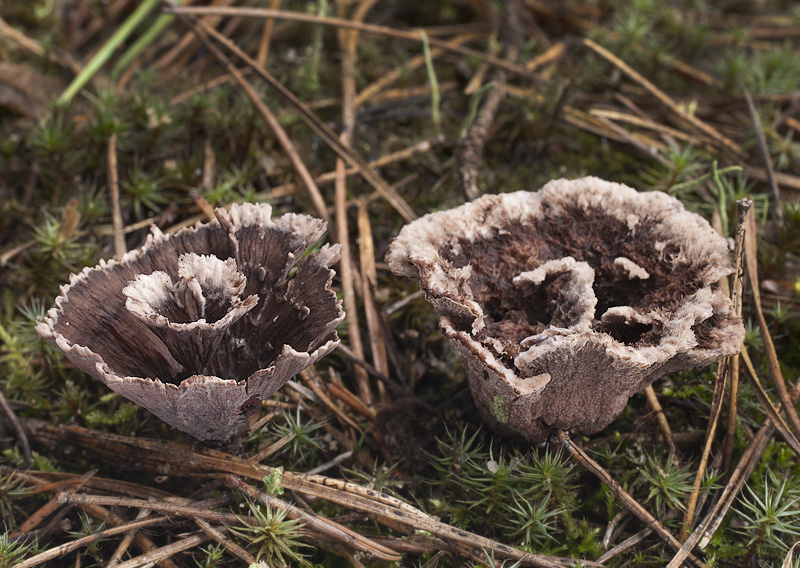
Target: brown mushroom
{"x": 567, "y": 301}
{"x": 200, "y": 326}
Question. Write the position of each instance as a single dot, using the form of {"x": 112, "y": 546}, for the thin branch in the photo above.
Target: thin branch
{"x": 322, "y": 129}
{"x": 665, "y": 99}
{"x": 21, "y": 436}
{"x": 349, "y": 24}
{"x": 663, "y": 424}
{"x": 283, "y": 139}
{"x": 624, "y": 497}
{"x": 113, "y": 187}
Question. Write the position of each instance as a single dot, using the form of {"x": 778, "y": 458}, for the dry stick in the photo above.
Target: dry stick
{"x": 209, "y": 167}
{"x": 736, "y": 298}
{"x": 141, "y": 541}
{"x": 784, "y": 179}
{"x": 21, "y": 437}
{"x": 646, "y": 123}
{"x": 398, "y": 390}
{"x": 311, "y": 378}
{"x": 343, "y": 394}
{"x": 400, "y": 155}
{"x": 470, "y": 152}
{"x": 369, "y": 280}
{"x": 769, "y": 408}
{"x": 663, "y": 424}
{"x": 625, "y": 545}
{"x": 723, "y": 369}
{"x": 229, "y": 545}
{"x": 705, "y": 531}
{"x": 332, "y": 463}
{"x": 126, "y": 541}
{"x": 347, "y": 40}
{"x": 260, "y": 456}
{"x": 48, "y": 508}
{"x": 182, "y": 459}
{"x": 113, "y": 188}
{"x": 165, "y": 551}
{"x": 740, "y": 475}
{"x": 611, "y": 529}
{"x": 56, "y": 56}
{"x": 269, "y": 118}
{"x": 769, "y": 347}
{"x": 292, "y": 188}
{"x": 625, "y": 498}
{"x": 316, "y": 523}
{"x": 63, "y": 549}
{"x": 552, "y": 54}
{"x": 184, "y": 42}
{"x": 765, "y": 155}
{"x": 350, "y": 24}
{"x": 322, "y": 130}
{"x": 169, "y": 508}
{"x": 665, "y": 99}
{"x": 407, "y": 67}
{"x": 266, "y": 36}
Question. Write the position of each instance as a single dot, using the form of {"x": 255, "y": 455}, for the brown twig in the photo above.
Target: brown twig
{"x": 369, "y": 280}
{"x": 313, "y": 381}
{"x": 22, "y": 438}
{"x": 347, "y": 41}
{"x": 769, "y": 347}
{"x": 329, "y": 177}
{"x": 165, "y": 551}
{"x": 706, "y": 529}
{"x": 57, "y": 56}
{"x": 723, "y": 368}
{"x": 283, "y": 139}
{"x": 229, "y": 545}
{"x": 725, "y": 142}
{"x": 758, "y": 128}
{"x": 50, "y": 507}
{"x": 769, "y": 408}
{"x": 188, "y": 38}
{"x": 183, "y": 459}
{"x": 743, "y": 209}
{"x": 315, "y": 523}
{"x": 113, "y": 187}
{"x": 63, "y": 549}
{"x": 663, "y": 424}
{"x": 350, "y": 24}
{"x": 126, "y": 541}
{"x": 323, "y": 130}
{"x": 625, "y": 545}
{"x": 470, "y": 152}
{"x": 624, "y": 497}
{"x": 266, "y": 35}
{"x": 407, "y": 67}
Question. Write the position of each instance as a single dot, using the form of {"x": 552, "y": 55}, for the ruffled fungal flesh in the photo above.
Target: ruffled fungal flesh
{"x": 200, "y": 326}
{"x": 567, "y": 301}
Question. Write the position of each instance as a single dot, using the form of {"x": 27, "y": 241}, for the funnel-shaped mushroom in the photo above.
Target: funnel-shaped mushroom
{"x": 199, "y": 326}
{"x": 565, "y": 302}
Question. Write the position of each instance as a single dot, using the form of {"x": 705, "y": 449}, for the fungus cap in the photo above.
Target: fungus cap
{"x": 200, "y": 326}
{"x": 567, "y": 301}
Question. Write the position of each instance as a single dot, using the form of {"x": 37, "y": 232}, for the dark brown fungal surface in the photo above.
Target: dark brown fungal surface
{"x": 199, "y": 326}
{"x": 567, "y": 301}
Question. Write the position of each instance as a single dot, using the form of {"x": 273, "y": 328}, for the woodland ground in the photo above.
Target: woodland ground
{"x": 698, "y": 99}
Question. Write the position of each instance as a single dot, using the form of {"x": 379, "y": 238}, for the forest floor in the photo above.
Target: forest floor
{"x": 120, "y": 116}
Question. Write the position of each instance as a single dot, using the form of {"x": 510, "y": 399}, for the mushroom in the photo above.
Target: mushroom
{"x": 199, "y": 326}
{"x": 567, "y": 301}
